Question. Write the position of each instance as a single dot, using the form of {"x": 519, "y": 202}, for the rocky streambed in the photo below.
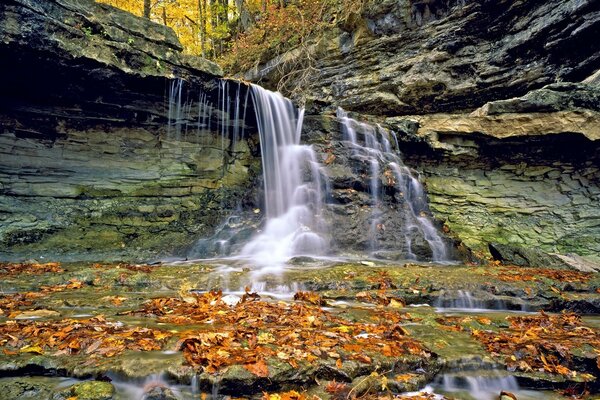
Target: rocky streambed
{"x": 327, "y": 328}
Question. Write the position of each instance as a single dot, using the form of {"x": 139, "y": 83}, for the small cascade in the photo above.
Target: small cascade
{"x": 293, "y": 181}
{"x": 153, "y": 387}
{"x": 293, "y": 185}
{"x": 372, "y": 145}
{"x": 487, "y": 387}
{"x": 190, "y": 114}
{"x": 464, "y": 300}
{"x": 227, "y": 237}
{"x": 175, "y": 110}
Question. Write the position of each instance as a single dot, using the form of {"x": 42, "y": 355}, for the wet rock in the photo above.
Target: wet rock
{"x": 231, "y": 300}
{"x": 159, "y": 393}
{"x": 112, "y": 180}
{"x": 33, "y": 314}
{"x": 525, "y": 257}
{"x": 579, "y": 263}
{"x": 92, "y": 390}
{"x": 25, "y": 388}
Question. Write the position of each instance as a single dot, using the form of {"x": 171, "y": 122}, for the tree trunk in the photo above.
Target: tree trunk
{"x": 202, "y": 24}
{"x": 245, "y": 18}
{"x": 147, "y": 9}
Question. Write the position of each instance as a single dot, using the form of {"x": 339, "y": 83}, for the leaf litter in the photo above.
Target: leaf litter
{"x": 254, "y": 331}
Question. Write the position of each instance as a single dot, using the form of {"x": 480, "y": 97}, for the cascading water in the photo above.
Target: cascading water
{"x": 464, "y": 300}
{"x": 376, "y": 150}
{"x": 292, "y": 175}
{"x": 294, "y": 181}
{"x": 478, "y": 387}
{"x": 293, "y": 185}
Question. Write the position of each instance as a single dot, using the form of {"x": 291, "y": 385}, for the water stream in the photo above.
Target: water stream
{"x": 293, "y": 185}
{"x": 372, "y": 144}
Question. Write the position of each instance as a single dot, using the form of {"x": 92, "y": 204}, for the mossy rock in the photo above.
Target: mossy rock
{"x": 89, "y": 390}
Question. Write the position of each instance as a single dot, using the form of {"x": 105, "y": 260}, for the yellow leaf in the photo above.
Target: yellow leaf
{"x": 396, "y": 303}
{"x": 384, "y": 383}
{"x": 31, "y": 349}
{"x": 343, "y": 329}
{"x": 265, "y": 338}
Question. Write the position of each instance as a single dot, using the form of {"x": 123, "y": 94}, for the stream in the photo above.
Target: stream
{"x": 463, "y": 369}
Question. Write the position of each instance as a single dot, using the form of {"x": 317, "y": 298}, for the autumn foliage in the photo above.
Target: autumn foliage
{"x": 254, "y": 331}
{"x": 13, "y": 269}
{"x": 93, "y": 336}
{"x": 543, "y": 343}
{"x": 278, "y": 30}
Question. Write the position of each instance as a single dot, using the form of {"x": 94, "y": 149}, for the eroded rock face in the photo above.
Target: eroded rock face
{"x": 416, "y": 57}
{"x": 503, "y": 101}
{"x": 443, "y": 56}
{"x": 95, "y": 160}
{"x": 522, "y": 171}
{"x": 381, "y": 223}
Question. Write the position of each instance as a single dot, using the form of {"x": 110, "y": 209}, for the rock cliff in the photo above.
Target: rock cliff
{"x": 96, "y": 159}
{"x": 422, "y": 56}
{"x": 495, "y": 103}
{"x": 115, "y": 145}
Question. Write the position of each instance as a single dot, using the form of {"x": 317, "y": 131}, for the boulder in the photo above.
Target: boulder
{"x": 524, "y": 257}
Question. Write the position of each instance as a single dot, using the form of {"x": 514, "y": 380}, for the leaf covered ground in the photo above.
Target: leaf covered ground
{"x": 349, "y": 334}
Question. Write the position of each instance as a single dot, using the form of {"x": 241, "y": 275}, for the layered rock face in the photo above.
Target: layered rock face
{"x": 425, "y": 56}
{"x": 523, "y": 171}
{"x": 487, "y": 102}
{"x": 102, "y": 151}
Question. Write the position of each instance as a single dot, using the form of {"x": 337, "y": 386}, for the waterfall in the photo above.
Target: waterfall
{"x": 292, "y": 183}
{"x": 486, "y": 387}
{"x": 465, "y": 301}
{"x": 376, "y": 150}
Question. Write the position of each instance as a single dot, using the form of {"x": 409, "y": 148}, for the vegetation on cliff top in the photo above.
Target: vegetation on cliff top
{"x": 241, "y": 34}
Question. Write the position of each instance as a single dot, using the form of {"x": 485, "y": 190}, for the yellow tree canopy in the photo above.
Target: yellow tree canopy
{"x": 204, "y": 27}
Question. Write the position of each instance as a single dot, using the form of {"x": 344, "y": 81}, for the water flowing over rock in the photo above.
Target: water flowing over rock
{"x": 105, "y": 153}
{"x": 375, "y": 149}
{"x": 495, "y": 104}
{"x": 292, "y": 183}
{"x": 94, "y": 163}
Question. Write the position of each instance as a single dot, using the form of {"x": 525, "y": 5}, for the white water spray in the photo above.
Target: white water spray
{"x": 293, "y": 186}
{"x": 376, "y": 149}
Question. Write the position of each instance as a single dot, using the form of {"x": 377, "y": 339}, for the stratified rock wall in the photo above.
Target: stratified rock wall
{"x": 416, "y": 56}
{"x": 553, "y": 204}
{"x": 488, "y": 101}
{"x": 96, "y": 159}
{"x": 523, "y": 171}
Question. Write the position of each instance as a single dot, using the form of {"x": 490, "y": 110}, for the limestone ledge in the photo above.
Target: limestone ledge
{"x": 508, "y": 125}
{"x": 106, "y": 35}
{"x": 117, "y": 193}
{"x": 555, "y": 208}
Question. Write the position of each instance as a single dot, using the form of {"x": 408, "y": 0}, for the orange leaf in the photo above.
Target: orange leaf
{"x": 259, "y": 368}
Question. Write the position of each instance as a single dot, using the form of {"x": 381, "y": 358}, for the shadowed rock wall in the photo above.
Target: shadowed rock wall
{"x": 95, "y": 161}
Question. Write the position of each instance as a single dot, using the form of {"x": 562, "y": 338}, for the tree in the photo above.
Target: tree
{"x": 147, "y": 9}
{"x": 244, "y": 15}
